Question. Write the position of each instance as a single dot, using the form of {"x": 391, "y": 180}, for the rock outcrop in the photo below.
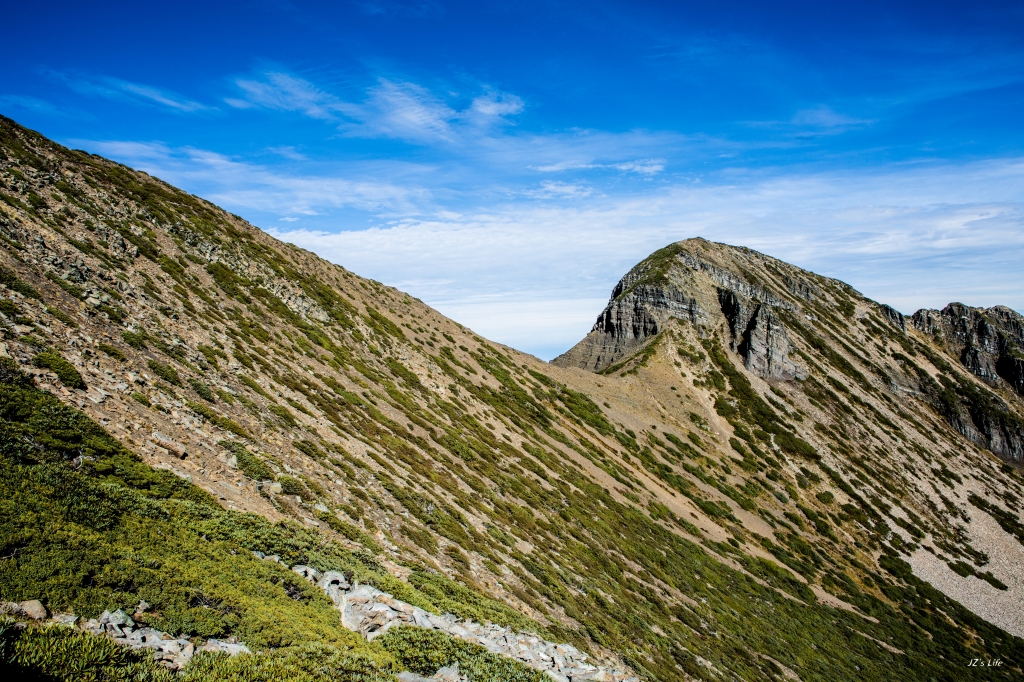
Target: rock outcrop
{"x": 759, "y": 336}
{"x": 372, "y": 612}
{"x": 172, "y": 652}
{"x": 988, "y": 341}
{"x": 681, "y": 282}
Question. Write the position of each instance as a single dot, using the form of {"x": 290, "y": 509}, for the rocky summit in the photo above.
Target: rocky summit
{"x": 223, "y": 458}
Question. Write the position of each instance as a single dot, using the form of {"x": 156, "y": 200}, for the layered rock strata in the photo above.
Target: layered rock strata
{"x": 678, "y": 284}
{"x": 988, "y": 341}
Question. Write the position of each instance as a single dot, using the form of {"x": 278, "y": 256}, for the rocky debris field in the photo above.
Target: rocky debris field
{"x": 172, "y": 652}
{"x": 371, "y": 613}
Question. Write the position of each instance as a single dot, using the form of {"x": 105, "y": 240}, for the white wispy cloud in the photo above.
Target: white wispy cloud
{"x": 823, "y": 116}
{"x": 126, "y": 91}
{"x": 285, "y": 92}
{"x": 563, "y": 190}
{"x": 288, "y": 152}
{"x": 36, "y": 105}
{"x": 640, "y": 166}
{"x": 390, "y": 108}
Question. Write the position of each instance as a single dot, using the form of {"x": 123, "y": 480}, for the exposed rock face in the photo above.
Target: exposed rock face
{"x": 765, "y": 347}
{"x": 632, "y": 317}
{"x": 894, "y": 316}
{"x": 686, "y": 286}
{"x": 989, "y": 342}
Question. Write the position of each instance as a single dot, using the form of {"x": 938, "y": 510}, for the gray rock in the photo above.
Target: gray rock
{"x": 67, "y": 619}
{"x": 894, "y": 316}
{"x": 149, "y": 636}
{"x": 33, "y": 608}
{"x": 990, "y": 344}
{"x": 310, "y": 574}
{"x": 765, "y": 347}
{"x": 407, "y": 676}
{"x": 683, "y": 285}
{"x": 449, "y": 673}
{"x": 118, "y": 618}
{"x": 230, "y": 648}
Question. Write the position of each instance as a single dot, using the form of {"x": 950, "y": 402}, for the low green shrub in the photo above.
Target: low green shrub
{"x": 211, "y": 416}
{"x": 202, "y": 390}
{"x": 293, "y": 486}
{"x": 64, "y": 370}
{"x": 112, "y": 351}
{"x": 66, "y": 655}
{"x": 254, "y": 467}
{"x": 59, "y": 654}
{"x": 136, "y": 340}
{"x": 165, "y": 372}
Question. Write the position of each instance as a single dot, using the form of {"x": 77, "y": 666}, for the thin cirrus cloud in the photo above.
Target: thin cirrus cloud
{"x": 126, "y": 91}
{"x": 821, "y": 120}
{"x": 639, "y": 166}
{"x": 480, "y": 132}
{"x": 391, "y": 108}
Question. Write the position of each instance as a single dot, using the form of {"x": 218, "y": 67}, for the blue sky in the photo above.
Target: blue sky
{"x": 508, "y": 162}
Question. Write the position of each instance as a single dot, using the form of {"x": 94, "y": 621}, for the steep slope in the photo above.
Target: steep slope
{"x": 741, "y": 493}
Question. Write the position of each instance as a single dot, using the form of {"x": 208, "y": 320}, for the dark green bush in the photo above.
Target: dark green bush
{"x": 165, "y": 372}
{"x": 293, "y": 486}
{"x": 202, "y": 390}
{"x": 223, "y": 422}
{"x": 252, "y": 466}
{"x": 64, "y": 370}
{"x": 112, "y": 351}
{"x": 11, "y": 281}
{"x": 136, "y": 340}
{"x": 67, "y": 655}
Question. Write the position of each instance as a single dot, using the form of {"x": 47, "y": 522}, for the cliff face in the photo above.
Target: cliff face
{"x": 988, "y": 342}
{"x": 684, "y": 282}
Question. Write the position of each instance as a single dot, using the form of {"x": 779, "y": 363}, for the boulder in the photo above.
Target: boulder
{"x": 408, "y": 676}
{"x": 310, "y": 574}
{"x": 34, "y": 609}
{"x": 118, "y": 618}
{"x": 449, "y": 673}
{"x": 230, "y": 648}
{"x": 147, "y": 636}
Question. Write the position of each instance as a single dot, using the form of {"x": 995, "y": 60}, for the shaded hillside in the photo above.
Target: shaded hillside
{"x": 679, "y": 513}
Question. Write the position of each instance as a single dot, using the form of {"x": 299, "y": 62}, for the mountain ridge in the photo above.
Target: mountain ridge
{"x": 732, "y": 497}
